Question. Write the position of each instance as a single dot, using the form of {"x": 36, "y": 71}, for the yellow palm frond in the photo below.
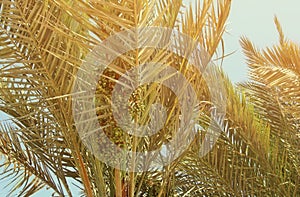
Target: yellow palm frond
{"x": 274, "y": 91}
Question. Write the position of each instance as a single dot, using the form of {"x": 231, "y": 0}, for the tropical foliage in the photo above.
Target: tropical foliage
{"x": 274, "y": 91}
{"x": 43, "y": 44}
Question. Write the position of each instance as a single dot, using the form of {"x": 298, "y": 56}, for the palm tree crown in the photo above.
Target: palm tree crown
{"x": 42, "y": 47}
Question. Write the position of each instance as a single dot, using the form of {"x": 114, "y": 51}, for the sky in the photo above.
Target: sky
{"x": 253, "y": 19}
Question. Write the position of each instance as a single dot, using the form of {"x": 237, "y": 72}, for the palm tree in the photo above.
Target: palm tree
{"x": 42, "y": 46}
{"x": 274, "y": 91}
{"x": 44, "y": 43}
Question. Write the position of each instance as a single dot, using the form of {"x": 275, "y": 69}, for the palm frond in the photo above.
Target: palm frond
{"x": 39, "y": 58}
{"x": 274, "y": 91}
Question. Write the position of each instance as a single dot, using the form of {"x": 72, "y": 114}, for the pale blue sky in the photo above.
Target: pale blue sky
{"x": 254, "y": 19}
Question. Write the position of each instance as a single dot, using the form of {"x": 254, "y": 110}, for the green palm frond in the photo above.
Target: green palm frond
{"x": 274, "y": 91}
{"x": 236, "y": 166}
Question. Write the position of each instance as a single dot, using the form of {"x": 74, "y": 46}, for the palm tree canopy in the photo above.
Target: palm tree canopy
{"x": 42, "y": 47}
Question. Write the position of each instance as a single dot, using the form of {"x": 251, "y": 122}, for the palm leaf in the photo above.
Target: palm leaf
{"x": 276, "y": 71}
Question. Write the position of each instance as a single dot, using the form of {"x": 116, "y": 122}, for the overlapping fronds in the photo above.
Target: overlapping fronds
{"x": 44, "y": 43}
{"x": 274, "y": 91}
{"x": 236, "y": 166}
{"x": 40, "y": 51}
